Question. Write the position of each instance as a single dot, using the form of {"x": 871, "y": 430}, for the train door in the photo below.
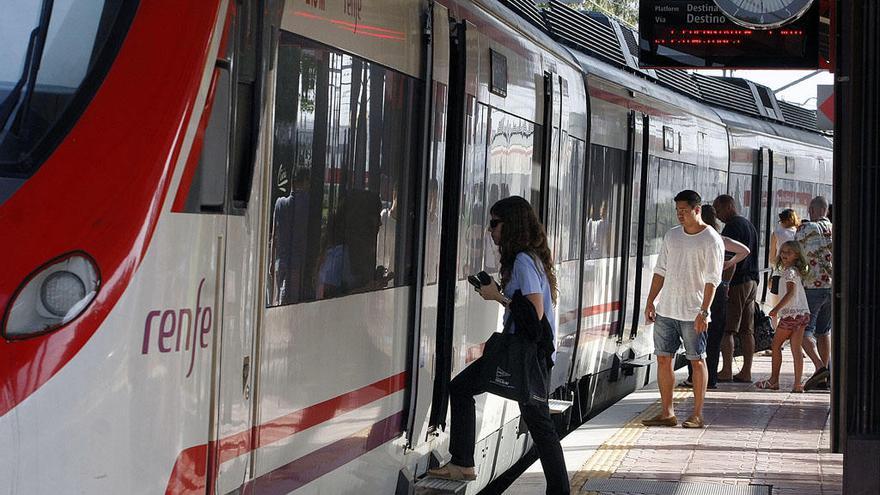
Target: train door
{"x": 461, "y": 326}
{"x": 231, "y": 419}
{"x": 764, "y": 218}
{"x": 637, "y": 274}
{"x": 492, "y": 153}
{"x": 561, "y": 188}
{"x": 445, "y": 106}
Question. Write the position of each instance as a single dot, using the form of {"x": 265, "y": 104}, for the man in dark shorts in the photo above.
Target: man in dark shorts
{"x": 741, "y": 294}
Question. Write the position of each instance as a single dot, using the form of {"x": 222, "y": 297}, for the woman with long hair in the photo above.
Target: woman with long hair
{"x": 526, "y": 266}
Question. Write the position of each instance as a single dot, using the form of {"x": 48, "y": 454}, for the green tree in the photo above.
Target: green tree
{"x": 625, "y": 10}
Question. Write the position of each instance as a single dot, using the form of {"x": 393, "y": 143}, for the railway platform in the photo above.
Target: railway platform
{"x": 755, "y": 442}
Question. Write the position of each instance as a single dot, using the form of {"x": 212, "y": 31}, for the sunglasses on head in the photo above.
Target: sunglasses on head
{"x": 493, "y": 223}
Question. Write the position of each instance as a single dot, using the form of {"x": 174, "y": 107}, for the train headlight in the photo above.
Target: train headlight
{"x": 53, "y": 296}
{"x": 61, "y": 291}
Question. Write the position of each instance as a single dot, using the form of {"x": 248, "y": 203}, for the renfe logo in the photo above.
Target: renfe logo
{"x": 170, "y": 325}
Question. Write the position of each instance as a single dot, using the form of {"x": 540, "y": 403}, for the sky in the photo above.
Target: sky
{"x": 802, "y": 94}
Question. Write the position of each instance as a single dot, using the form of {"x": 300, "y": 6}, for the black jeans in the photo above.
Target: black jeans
{"x": 714, "y": 334}
{"x": 462, "y": 390}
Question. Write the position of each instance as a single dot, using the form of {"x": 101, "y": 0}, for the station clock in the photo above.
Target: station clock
{"x": 763, "y": 14}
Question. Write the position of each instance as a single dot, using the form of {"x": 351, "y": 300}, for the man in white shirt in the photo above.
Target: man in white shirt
{"x": 688, "y": 270}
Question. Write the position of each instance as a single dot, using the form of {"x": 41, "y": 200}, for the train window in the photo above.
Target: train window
{"x": 344, "y": 182}
{"x": 740, "y": 188}
{"x": 512, "y": 155}
{"x": 665, "y": 179}
{"x": 435, "y": 185}
{"x": 796, "y": 195}
{"x": 473, "y": 210}
{"x": 606, "y": 202}
{"x": 571, "y": 185}
{"x": 51, "y": 65}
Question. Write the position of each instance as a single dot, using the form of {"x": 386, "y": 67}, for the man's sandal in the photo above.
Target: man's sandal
{"x": 767, "y": 385}
{"x": 660, "y": 421}
{"x": 693, "y": 422}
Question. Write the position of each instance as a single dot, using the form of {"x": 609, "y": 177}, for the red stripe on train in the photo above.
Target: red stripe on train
{"x": 188, "y": 473}
{"x": 312, "y": 466}
{"x": 102, "y": 189}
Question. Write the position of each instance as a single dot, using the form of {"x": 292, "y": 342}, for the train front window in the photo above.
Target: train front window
{"x": 53, "y": 55}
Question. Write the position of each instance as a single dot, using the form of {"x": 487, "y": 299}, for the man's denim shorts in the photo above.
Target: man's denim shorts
{"x": 819, "y": 301}
{"x": 670, "y": 333}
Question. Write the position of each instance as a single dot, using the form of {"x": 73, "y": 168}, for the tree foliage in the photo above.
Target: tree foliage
{"x": 625, "y": 10}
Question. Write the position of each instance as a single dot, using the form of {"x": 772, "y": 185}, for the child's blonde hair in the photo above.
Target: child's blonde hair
{"x": 800, "y": 263}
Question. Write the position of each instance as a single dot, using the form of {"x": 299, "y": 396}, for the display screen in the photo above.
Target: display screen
{"x": 699, "y": 34}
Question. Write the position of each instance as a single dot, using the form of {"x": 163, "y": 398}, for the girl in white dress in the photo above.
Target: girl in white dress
{"x": 793, "y": 312}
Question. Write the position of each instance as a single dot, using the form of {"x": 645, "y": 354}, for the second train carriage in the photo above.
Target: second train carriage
{"x": 279, "y": 296}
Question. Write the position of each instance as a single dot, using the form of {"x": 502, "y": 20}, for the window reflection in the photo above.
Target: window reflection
{"x": 512, "y": 156}
{"x": 344, "y": 182}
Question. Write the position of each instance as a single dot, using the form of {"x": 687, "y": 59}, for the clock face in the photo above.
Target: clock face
{"x": 763, "y": 14}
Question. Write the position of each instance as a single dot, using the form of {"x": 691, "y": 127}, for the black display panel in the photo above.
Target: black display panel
{"x": 738, "y": 34}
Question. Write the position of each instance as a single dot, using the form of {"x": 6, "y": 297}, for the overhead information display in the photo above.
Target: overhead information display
{"x": 729, "y": 33}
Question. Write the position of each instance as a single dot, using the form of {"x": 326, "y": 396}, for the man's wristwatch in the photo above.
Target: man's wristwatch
{"x": 704, "y": 313}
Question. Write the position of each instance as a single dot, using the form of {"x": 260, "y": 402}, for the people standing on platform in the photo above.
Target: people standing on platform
{"x": 740, "y": 320}
{"x": 687, "y": 272}
{"x": 815, "y": 240}
{"x": 738, "y": 252}
{"x": 793, "y": 313}
{"x": 527, "y": 267}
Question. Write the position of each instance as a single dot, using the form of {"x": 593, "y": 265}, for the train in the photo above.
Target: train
{"x": 236, "y": 234}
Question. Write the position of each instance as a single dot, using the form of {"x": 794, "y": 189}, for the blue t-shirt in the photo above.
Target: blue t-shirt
{"x": 530, "y": 278}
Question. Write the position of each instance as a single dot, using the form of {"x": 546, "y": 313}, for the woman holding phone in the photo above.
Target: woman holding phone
{"x": 526, "y": 266}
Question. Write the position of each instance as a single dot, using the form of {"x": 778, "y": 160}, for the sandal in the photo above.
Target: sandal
{"x": 451, "y": 471}
{"x": 767, "y": 385}
{"x": 659, "y": 420}
{"x": 797, "y": 389}
{"x": 693, "y": 422}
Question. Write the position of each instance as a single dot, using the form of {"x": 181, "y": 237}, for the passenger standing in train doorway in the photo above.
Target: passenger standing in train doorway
{"x": 526, "y": 266}
{"x": 687, "y": 272}
{"x": 741, "y": 294}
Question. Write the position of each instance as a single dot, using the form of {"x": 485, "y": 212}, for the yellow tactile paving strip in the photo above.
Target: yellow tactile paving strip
{"x": 610, "y": 454}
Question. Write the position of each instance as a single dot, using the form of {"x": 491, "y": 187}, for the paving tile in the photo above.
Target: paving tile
{"x": 752, "y": 437}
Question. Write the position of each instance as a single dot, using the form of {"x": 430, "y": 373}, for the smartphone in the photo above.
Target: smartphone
{"x": 480, "y": 279}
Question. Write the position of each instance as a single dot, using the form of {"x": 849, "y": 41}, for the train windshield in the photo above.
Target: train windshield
{"x": 53, "y": 56}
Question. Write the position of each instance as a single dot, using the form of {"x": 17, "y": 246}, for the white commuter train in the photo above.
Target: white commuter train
{"x": 236, "y": 234}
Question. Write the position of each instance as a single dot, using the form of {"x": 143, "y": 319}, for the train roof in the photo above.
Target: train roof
{"x": 740, "y": 121}
{"x": 522, "y": 23}
{"x": 616, "y": 45}
{"x": 598, "y": 68}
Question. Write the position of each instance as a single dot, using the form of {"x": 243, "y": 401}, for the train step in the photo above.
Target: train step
{"x": 636, "y": 363}
{"x": 559, "y": 406}
{"x": 432, "y": 486}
